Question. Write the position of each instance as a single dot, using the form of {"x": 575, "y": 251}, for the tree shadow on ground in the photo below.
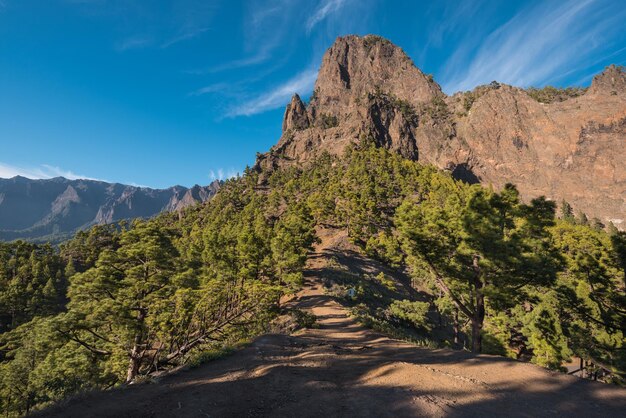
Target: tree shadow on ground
{"x": 293, "y": 376}
{"x": 345, "y": 370}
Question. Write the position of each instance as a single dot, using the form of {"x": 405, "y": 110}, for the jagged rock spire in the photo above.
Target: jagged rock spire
{"x": 296, "y": 117}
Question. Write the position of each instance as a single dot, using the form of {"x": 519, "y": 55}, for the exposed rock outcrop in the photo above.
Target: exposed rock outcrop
{"x": 611, "y": 81}
{"x": 296, "y": 117}
{"x": 356, "y": 66}
{"x": 572, "y": 149}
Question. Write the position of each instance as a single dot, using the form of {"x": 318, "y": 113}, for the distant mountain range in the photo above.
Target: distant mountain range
{"x": 53, "y": 209}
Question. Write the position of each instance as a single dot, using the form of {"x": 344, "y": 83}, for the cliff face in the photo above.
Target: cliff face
{"x": 572, "y": 149}
{"x": 32, "y": 209}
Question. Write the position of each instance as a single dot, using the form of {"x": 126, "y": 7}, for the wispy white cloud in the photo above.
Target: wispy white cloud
{"x": 302, "y": 83}
{"x": 326, "y": 8}
{"x": 141, "y": 186}
{"x": 142, "y": 25}
{"x": 262, "y": 55}
{"x": 138, "y": 42}
{"x": 443, "y": 21}
{"x": 273, "y": 32}
{"x": 135, "y": 42}
{"x": 266, "y": 25}
{"x": 238, "y": 88}
{"x": 537, "y": 45}
{"x": 44, "y": 171}
{"x": 184, "y": 36}
{"x": 222, "y": 174}
{"x": 260, "y": 14}
{"x": 213, "y": 88}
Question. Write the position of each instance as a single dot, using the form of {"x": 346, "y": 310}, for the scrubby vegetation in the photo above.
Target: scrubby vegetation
{"x": 326, "y": 121}
{"x": 436, "y": 109}
{"x": 117, "y": 304}
{"x": 373, "y": 40}
{"x": 32, "y": 283}
{"x": 393, "y": 102}
{"x": 469, "y": 97}
{"x": 497, "y": 269}
{"x": 549, "y": 94}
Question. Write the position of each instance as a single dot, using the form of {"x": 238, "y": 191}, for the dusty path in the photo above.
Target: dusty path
{"x": 344, "y": 370}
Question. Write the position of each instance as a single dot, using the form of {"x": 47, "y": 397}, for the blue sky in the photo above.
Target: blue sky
{"x": 160, "y": 92}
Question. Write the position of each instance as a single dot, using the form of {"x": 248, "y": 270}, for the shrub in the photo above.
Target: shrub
{"x": 385, "y": 247}
{"x": 371, "y": 40}
{"x": 210, "y": 354}
{"x": 304, "y": 319}
{"x": 437, "y": 109}
{"x": 413, "y": 313}
{"x": 327, "y": 121}
{"x": 377, "y": 322}
{"x": 551, "y": 94}
{"x": 385, "y": 281}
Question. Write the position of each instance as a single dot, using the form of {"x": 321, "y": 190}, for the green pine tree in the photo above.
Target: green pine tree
{"x": 479, "y": 247}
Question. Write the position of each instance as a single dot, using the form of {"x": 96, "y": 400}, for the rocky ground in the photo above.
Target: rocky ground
{"x": 344, "y": 370}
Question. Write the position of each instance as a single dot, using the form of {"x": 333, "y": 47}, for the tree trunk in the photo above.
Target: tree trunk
{"x": 582, "y": 368}
{"x": 477, "y": 338}
{"x": 134, "y": 360}
{"x": 133, "y": 365}
{"x": 477, "y": 322}
{"x": 455, "y": 327}
{"x": 479, "y": 312}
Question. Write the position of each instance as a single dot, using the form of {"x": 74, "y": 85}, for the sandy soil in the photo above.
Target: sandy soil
{"x": 344, "y": 370}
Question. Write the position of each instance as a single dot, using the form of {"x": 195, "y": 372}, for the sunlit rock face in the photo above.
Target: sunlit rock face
{"x": 572, "y": 148}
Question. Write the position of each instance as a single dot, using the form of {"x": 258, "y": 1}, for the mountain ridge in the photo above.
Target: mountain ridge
{"x": 41, "y": 209}
{"x": 567, "y": 149}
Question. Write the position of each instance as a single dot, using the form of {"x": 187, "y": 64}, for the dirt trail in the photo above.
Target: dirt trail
{"x": 344, "y": 370}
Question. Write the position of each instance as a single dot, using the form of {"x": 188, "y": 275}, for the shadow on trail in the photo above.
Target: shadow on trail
{"x": 350, "y": 267}
{"x": 281, "y": 382}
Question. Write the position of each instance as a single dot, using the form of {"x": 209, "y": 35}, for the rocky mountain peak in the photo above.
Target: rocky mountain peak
{"x": 367, "y": 87}
{"x": 569, "y": 148}
{"x": 612, "y": 80}
{"x": 355, "y": 66}
{"x": 296, "y": 117}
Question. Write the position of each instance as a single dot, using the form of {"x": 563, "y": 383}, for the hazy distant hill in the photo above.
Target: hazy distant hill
{"x": 57, "y": 207}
